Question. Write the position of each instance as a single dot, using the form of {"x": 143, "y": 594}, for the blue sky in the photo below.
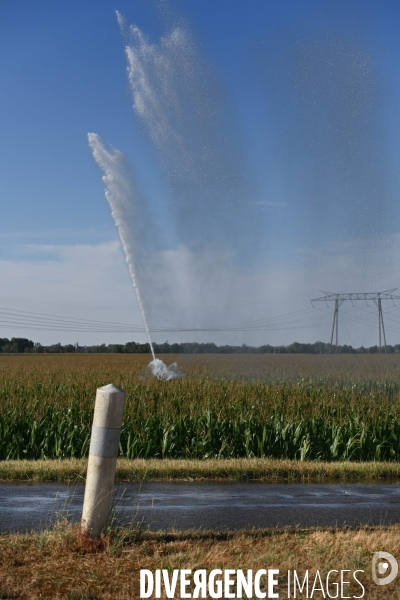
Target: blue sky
{"x": 290, "y": 184}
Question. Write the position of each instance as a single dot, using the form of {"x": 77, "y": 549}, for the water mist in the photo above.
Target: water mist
{"x": 241, "y": 229}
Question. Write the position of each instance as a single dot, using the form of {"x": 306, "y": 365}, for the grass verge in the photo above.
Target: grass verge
{"x": 60, "y": 564}
{"x": 256, "y": 469}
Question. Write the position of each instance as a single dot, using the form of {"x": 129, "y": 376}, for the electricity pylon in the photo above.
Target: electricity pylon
{"x": 338, "y": 299}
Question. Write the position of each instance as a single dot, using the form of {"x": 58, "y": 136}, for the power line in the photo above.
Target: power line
{"x": 40, "y": 321}
{"x": 295, "y": 320}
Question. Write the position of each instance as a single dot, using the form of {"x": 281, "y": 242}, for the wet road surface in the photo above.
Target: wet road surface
{"x": 207, "y": 505}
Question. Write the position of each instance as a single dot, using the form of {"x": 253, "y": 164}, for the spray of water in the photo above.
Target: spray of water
{"x": 120, "y": 193}
{"x": 160, "y": 370}
{"x": 178, "y": 99}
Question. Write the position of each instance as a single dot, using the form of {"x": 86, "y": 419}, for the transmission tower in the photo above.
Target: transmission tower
{"x": 338, "y": 300}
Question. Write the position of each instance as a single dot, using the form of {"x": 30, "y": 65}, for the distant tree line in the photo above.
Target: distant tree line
{"x": 23, "y": 345}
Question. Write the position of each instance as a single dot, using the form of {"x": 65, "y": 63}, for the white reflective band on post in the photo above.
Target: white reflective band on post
{"x": 104, "y": 441}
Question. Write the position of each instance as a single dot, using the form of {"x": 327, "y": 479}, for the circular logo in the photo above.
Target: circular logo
{"x": 384, "y": 568}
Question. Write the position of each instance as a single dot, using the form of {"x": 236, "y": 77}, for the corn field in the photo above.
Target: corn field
{"x": 301, "y": 407}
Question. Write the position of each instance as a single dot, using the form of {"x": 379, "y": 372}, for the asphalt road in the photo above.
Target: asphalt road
{"x": 205, "y": 505}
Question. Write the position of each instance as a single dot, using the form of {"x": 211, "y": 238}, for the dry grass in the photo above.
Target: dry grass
{"x": 61, "y": 565}
{"x": 246, "y": 469}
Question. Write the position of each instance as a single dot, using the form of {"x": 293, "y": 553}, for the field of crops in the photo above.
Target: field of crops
{"x": 304, "y": 406}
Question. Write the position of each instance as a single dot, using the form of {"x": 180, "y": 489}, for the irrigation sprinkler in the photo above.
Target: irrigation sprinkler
{"x": 103, "y": 452}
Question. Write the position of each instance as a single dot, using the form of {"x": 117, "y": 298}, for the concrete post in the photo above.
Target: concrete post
{"x": 103, "y": 452}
